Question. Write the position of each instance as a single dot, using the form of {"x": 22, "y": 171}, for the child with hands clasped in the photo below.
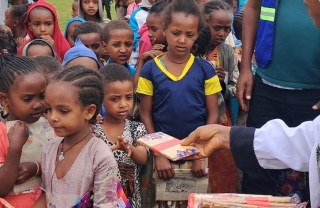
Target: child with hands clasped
{"x": 120, "y": 133}
{"x": 78, "y": 161}
{"x": 178, "y": 91}
{"x": 22, "y": 88}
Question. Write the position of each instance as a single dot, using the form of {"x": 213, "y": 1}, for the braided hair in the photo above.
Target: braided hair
{"x": 189, "y": 7}
{"x": 89, "y": 84}
{"x": 205, "y": 33}
{"x": 11, "y": 67}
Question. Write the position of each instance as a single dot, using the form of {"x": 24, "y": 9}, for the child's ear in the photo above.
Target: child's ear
{"x": 15, "y": 23}
{"x": 29, "y": 26}
{"x": 90, "y": 110}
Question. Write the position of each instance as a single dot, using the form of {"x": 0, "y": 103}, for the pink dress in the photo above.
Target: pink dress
{"x": 95, "y": 167}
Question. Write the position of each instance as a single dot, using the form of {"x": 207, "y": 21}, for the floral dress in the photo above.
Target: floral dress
{"x": 128, "y": 171}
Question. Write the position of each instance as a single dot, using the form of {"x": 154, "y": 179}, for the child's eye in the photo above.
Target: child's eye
{"x": 48, "y": 23}
{"x": 190, "y": 35}
{"x": 128, "y": 44}
{"x": 27, "y": 99}
{"x": 47, "y": 110}
{"x": 63, "y": 111}
{"x": 96, "y": 46}
{"x": 130, "y": 97}
{"x": 42, "y": 96}
{"x": 116, "y": 45}
{"x": 114, "y": 99}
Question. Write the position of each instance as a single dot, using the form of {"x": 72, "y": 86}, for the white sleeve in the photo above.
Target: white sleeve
{"x": 279, "y": 147}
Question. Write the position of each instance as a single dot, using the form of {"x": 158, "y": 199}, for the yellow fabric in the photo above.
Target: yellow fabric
{"x": 212, "y": 86}
{"x": 145, "y": 86}
{"x": 171, "y": 76}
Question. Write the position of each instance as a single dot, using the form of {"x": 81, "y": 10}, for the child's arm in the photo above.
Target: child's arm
{"x": 28, "y": 170}
{"x": 212, "y": 109}
{"x": 137, "y": 154}
{"x": 41, "y": 202}
{"x": 17, "y": 135}
{"x": 198, "y": 167}
{"x": 163, "y": 166}
{"x": 146, "y": 112}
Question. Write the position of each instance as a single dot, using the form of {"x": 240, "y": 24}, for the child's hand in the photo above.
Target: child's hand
{"x": 20, "y": 41}
{"x": 198, "y": 168}
{"x": 157, "y": 46}
{"x": 123, "y": 144}
{"x": 150, "y": 54}
{"x": 164, "y": 168}
{"x": 220, "y": 72}
{"x": 48, "y": 38}
{"x": 99, "y": 119}
{"x": 18, "y": 135}
{"x": 26, "y": 171}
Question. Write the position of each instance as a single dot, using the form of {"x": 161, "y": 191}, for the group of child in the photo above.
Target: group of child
{"x": 182, "y": 77}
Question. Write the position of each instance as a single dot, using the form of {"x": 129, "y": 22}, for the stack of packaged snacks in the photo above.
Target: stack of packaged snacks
{"x": 229, "y": 200}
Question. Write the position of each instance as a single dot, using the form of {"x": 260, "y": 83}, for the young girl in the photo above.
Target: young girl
{"x": 22, "y": 89}
{"x": 78, "y": 161}
{"x": 41, "y": 22}
{"x": 120, "y": 133}
{"x": 178, "y": 91}
{"x": 219, "y": 19}
{"x": 91, "y": 10}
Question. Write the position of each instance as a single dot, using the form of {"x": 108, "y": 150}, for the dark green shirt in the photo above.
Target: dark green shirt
{"x": 296, "y": 60}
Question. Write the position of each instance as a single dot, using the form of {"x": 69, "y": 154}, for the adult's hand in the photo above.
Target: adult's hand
{"x": 208, "y": 139}
{"x": 244, "y": 88}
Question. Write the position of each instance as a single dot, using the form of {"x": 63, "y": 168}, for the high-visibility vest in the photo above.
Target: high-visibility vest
{"x": 266, "y": 33}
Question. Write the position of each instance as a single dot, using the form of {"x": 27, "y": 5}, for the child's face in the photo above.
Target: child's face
{"x": 220, "y": 26}
{"x": 38, "y": 50}
{"x": 84, "y": 61}
{"x": 75, "y": 6}
{"x": 9, "y": 21}
{"x": 41, "y": 22}
{"x": 92, "y": 41}
{"x": 65, "y": 112}
{"x": 25, "y": 99}
{"x": 118, "y": 100}
{"x": 181, "y": 33}
{"x": 155, "y": 31}
{"x": 119, "y": 46}
{"x": 90, "y": 7}
{"x": 70, "y": 32}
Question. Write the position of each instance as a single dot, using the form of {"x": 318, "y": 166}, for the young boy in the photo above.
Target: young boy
{"x": 118, "y": 42}
{"x": 42, "y": 23}
{"x": 90, "y": 34}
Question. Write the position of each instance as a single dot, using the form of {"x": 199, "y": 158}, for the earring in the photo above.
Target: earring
{"x": 4, "y": 111}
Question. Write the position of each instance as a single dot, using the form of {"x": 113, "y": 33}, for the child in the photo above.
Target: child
{"x": 219, "y": 19}
{"x": 38, "y": 47}
{"x": 14, "y": 20}
{"x": 42, "y": 23}
{"x": 22, "y": 89}
{"x": 120, "y": 133}
{"x": 75, "y": 8}
{"x": 81, "y": 55}
{"x": 91, "y": 10}
{"x": 178, "y": 91}
{"x": 90, "y": 34}
{"x": 152, "y": 42}
{"x": 118, "y": 42}
{"x": 48, "y": 65}
{"x": 70, "y": 27}
{"x": 78, "y": 161}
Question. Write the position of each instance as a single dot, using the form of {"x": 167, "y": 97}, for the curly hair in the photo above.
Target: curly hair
{"x": 7, "y": 42}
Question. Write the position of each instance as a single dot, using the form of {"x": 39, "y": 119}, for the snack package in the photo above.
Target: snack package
{"x": 167, "y": 145}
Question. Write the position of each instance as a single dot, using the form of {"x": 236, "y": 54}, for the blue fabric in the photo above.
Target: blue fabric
{"x": 131, "y": 70}
{"x": 79, "y": 50}
{"x": 71, "y": 21}
{"x": 241, "y": 4}
{"x": 295, "y": 62}
{"x": 179, "y": 107}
